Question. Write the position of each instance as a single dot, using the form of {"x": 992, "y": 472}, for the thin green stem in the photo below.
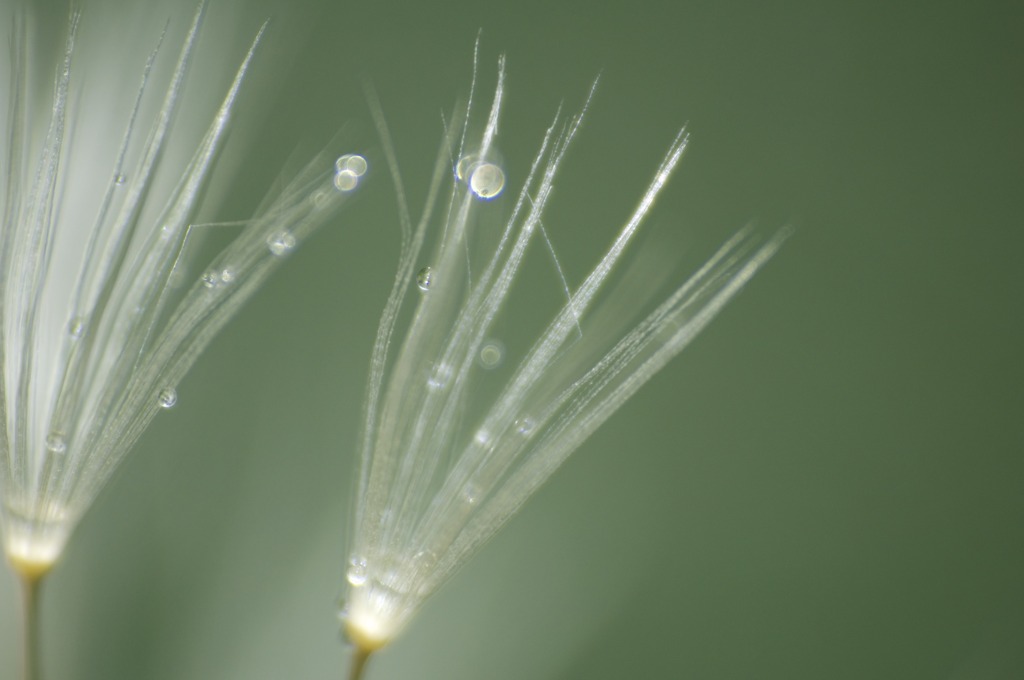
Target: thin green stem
{"x": 30, "y": 587}
{"x": 360, "y": 655}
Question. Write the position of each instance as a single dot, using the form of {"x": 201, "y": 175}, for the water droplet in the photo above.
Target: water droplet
{"x": 464, "y": 168}
{"x": 492, "y": 354}
{"x": 357, "y": 573}
{"x": 424, "y": 560}
{"x": 167, "y": 398}
{"x": 482, "y": 437}
{"x": 424, "y": 278}
{"x": 351, "y": 162}
{"x": 471, "y": 493}
{"x": 346, "y": 180}
{"x": 320, "y": 199}
{"x": 76, "y": 327}
{"x": 525, "y": 425}
{"x": 212, "y": 278}
{"x": 120, "y": 179}
{"x": 439, "y": 377}
{"x": 281, "y": 243}
{"x": 56, "y": 443}
{"x": 394, "y": 576}
{"x": 487, "y": 180}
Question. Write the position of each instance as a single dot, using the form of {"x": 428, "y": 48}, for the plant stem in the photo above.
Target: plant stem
{"x": 31, "y": 583}
{"x": 360, "y": 655}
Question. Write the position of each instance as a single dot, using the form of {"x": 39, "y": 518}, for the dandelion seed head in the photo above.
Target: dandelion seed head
{"x": 446, "y": 457}
{"x": 104, "y": 184}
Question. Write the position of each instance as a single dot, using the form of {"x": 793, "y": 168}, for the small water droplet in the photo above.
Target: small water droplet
{"x": 439, "y": 377}
{"x": 464, "y": 168}
{"x": 424, "y": 560}
{"x": 56, "y": 443}
{"x": 492, "y": 354}
{"x": 424, "y": 278}
{"x": 281, "y": 243}
{"x": 525, "y": 425}
{"x": 471, "y": 493}
{"x": 120, "y": 179}
{"x": 487, "y": 180}
{"x": 357, "y": 573}
{"x": 76, "y": 327}
{"x": 351, "y": 162}
{"x": 394, "y": 576}
{"x": 345, "y": 180}
{"x": 482, "y": 437}
{"x": 212, "y": 278}
{"x": 320, "y": 199}
{"x": 167, "y": 398}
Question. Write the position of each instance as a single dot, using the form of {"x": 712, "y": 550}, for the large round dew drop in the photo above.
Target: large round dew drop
{"x": 486, "y": 180}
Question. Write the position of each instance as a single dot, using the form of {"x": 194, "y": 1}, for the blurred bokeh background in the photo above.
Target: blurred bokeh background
{"x": 826, "y": 484}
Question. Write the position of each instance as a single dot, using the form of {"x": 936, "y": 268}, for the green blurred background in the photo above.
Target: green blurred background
{"x": 826, "y": 484}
